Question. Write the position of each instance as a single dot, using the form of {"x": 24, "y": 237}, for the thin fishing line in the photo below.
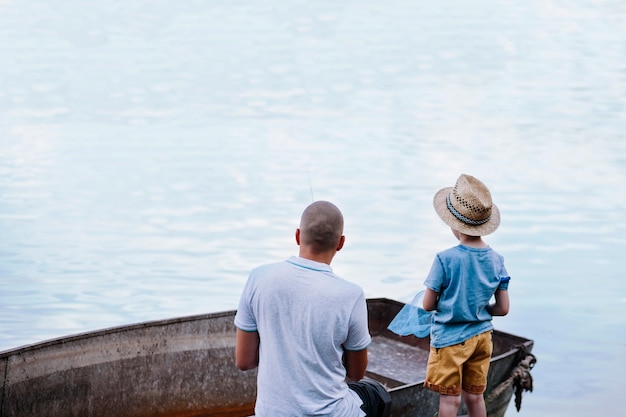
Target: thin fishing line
{"x": 310, "y": 184}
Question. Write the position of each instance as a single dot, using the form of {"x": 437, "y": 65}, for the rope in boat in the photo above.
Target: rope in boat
{"x": 520, "y": 378}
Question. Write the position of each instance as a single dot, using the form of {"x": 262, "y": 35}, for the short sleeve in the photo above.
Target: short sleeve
{"x": 435, "y": 277}
{"x": 244, "y": 318}
{"x": 504, "y": 283}
{"x": 358, "y": 335}
{"x": 503, "y": 274}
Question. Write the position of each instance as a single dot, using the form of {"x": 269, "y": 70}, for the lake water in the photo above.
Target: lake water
{"x": 153, "y": 152}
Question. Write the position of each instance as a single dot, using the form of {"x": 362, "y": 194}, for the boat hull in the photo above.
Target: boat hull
{"x": 181, "y": 367}
{"x": 185, "y": 367}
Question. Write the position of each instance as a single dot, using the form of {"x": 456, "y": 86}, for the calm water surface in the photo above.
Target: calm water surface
{"x": 152, "y": 153}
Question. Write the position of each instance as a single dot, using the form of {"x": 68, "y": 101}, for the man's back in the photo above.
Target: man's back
{"x": 305, "y": 316}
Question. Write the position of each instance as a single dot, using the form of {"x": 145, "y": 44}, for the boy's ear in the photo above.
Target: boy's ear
{"x": 298, "y": 236}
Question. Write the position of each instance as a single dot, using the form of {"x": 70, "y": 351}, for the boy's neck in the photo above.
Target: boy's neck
{"x": 472, "y": 241}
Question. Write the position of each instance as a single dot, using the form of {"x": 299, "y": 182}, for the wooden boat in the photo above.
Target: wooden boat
{"x": 185, "y": 367}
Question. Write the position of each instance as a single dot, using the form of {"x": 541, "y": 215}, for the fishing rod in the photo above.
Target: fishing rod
{"x": 310, "y": 184}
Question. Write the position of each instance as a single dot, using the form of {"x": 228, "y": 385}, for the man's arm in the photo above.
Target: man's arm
{"x": 355, "y": 362}
{"x": 247, "y": 350}
{"x": 501, "y": 306}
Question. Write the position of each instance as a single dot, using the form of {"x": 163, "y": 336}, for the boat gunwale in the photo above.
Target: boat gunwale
{"x": 112, "y": 330}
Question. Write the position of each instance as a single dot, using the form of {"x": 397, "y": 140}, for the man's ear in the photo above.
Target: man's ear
{"x": 298, "y": 236}
{"x": 342, "y": 240}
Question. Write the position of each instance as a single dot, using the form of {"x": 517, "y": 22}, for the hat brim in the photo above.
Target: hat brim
{"x": 439, "y": 202}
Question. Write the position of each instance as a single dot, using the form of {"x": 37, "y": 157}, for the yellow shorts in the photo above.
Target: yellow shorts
{"x": 464, "y": 365}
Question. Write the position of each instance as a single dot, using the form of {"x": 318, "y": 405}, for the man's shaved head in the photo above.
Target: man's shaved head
{"x": 321, "y": 226}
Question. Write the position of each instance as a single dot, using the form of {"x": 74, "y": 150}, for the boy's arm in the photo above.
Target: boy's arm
{"x": 501, "y": 306}
{"x": 430, "y": 300}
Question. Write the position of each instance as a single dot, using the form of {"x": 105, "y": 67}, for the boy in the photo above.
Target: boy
{"x": 459, "y": 287}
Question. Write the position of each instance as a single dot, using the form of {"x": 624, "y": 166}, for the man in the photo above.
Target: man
{"x": 306, "y": 330}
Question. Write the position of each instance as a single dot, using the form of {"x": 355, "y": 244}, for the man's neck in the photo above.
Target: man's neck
{"x": 322, "y": 257}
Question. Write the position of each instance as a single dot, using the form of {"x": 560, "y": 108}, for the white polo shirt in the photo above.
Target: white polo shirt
{"x": 305, "y": 316}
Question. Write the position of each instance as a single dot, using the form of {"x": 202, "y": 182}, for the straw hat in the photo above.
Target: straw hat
{"x": 467, "y": 207}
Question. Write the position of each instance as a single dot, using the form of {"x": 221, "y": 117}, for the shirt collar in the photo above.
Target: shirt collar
{"x": 309, "y": 264}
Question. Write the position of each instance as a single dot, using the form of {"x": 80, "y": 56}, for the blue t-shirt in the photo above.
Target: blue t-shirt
{"x": 465, "y": 278}
{"x": 306, "y": 316}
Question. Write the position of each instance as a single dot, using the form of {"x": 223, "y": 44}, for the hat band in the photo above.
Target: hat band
{"x": 461, "y": 217}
